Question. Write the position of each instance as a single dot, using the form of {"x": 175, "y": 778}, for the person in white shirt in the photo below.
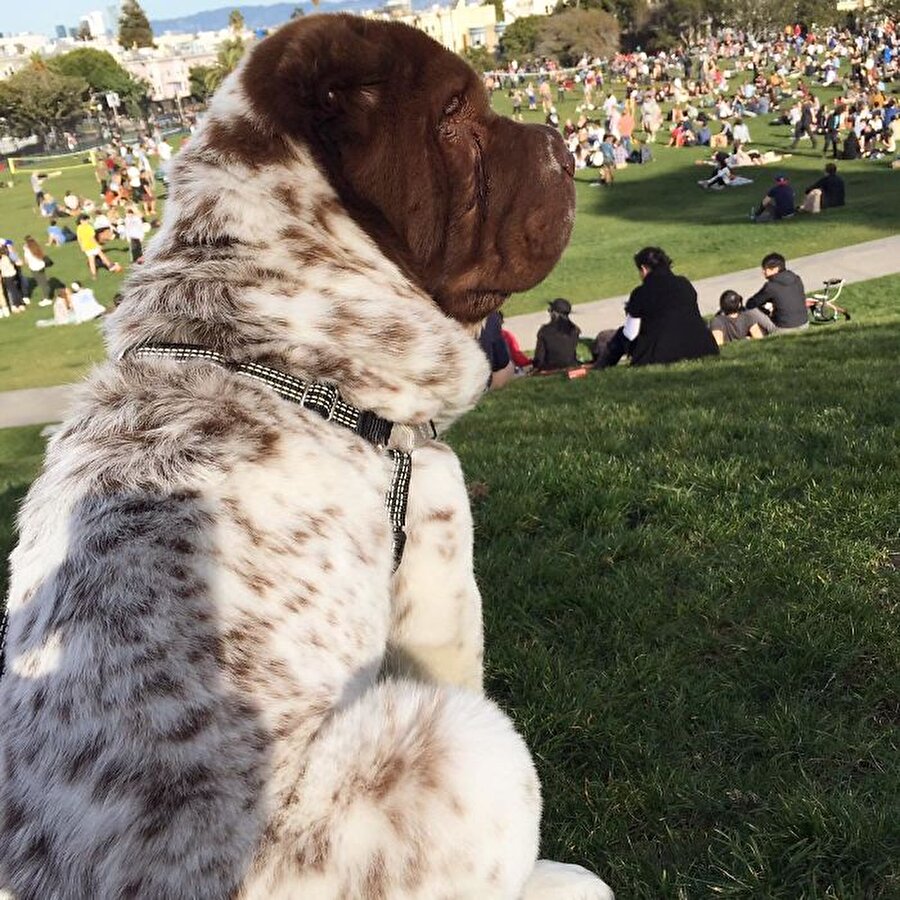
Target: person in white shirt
{"x": 134, "y": 232}
{"x": 741, "y": 132}
{"x": 84, "y": 304}
{"x": 72, "y": 203}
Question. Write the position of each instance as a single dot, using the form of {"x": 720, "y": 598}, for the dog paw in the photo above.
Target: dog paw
{"x": 562, "y": 881}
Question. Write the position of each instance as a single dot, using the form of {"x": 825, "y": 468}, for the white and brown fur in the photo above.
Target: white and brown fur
{"x": 202, "y": 600}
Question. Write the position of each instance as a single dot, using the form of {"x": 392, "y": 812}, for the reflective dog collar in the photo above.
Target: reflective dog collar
{"x": 322, "y": 398}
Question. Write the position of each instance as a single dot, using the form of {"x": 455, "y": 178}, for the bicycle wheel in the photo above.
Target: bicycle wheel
{"x": 822, "y": 314}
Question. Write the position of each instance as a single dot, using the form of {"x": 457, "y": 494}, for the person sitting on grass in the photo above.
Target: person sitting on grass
{"x": 782, "y": 296}
{"x": 520, "y": 360}
{"x": 722, "y": 176}
{"x": 827, "y": 193}
{"x": 777, "y": 204}
{"x": 662, "y": 318}
{"x": 87, "y": 241}
{"x": 84, "y": 304}
{"x": 557, "y": 341}
{"x": 49, "y": 207}
{"x": 71, "y": 203}
{"x": 734, "y": 323}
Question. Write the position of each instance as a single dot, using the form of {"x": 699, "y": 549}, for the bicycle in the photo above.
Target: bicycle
{"x": 822, "y": 306}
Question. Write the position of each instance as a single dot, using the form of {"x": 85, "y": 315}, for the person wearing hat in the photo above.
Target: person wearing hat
{"x": 777, "y": 204}
{"x": 557, "y": 340}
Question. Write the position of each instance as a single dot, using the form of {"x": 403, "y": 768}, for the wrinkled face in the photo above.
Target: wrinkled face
{"x": 471, "y": 205}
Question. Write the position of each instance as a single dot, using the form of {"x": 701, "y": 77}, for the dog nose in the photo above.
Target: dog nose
{"x": 560, "y": 152}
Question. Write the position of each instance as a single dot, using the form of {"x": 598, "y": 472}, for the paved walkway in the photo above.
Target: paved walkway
{"x": 858, "y": 262}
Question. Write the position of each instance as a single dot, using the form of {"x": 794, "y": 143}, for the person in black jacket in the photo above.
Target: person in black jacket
{"x": 557, "y": 340}
{"x": 663, "y": 320}
{"x": 827, "y": 193}
{"x": 782, "y": 295}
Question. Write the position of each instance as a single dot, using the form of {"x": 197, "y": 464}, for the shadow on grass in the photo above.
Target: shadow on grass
{"x": 673, "y": 195}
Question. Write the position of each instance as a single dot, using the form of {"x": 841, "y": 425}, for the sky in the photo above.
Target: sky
{"x": 42, "y": 17}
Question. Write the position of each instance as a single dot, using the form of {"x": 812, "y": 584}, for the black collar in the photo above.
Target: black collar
{"x": 326, "y": 401}
{"x": 323, "y": 398}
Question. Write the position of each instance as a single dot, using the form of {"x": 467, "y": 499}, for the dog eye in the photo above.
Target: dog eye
{"x": 453, "y": 106}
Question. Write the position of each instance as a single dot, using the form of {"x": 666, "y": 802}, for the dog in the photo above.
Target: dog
{"x": 217, "y": 683}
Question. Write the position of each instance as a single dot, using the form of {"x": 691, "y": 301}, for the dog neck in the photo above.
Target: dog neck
{"x": 258, "y": 260}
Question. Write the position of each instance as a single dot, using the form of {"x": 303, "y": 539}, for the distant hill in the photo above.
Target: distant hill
{"x": 260, "y": 16}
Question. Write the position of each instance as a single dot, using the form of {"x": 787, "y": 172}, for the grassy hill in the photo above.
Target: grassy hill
{"x": 691, "y": 601}
{"x": 706, "y": 233}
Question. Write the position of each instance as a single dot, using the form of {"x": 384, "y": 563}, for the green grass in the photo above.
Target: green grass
{"x": 40, "y": 357}
{"x": 706, "y": 233}
{"x": 691, "y": 602}
{"x": 691, "y": 599}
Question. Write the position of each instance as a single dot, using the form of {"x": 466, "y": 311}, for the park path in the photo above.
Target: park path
{"x": 858, "y": 262}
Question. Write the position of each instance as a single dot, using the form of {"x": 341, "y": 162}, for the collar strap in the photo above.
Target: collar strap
{"x": 323, "y": 398}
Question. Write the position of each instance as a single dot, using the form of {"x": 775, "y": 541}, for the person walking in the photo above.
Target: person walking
{"x": 805, "y": 125}
{"x": 37, "y": 262}
{"x": 9, "y": 275}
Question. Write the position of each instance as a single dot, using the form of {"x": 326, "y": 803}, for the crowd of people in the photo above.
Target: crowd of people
{"x": 124, "y": 209}
{"x": 711, "y": 93}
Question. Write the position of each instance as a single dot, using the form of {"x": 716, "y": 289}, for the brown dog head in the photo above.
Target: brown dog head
{"x": 472, "y": 206}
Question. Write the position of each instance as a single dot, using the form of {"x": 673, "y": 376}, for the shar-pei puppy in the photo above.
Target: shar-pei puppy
{"x": 218, "y": 683}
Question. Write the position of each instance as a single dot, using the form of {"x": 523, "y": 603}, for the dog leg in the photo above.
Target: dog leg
{"x": 561, "y": 881}
{"x": 437, "y": 631}
{"x": 413, "y": 791}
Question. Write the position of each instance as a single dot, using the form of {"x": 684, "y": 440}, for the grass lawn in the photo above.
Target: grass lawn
{"x": 692, "y": 600}
{"x": 706, "y": 233}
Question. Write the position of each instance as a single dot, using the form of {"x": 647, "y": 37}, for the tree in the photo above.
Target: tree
{"x": 134, "y": 26}
{"x": 298, "y": 11}
{"x": 36, "y": 100}
{"x": 520, "y": 38}
{"x": 201, "y": 79}
{"x": 480, "y": 59}
{"x": 567, "y": 35}
{"x": 102, "y": 73}
{"x": 756, "y": 17}
{"x": 230, "y": 52}
{"x": 236, "y": 21}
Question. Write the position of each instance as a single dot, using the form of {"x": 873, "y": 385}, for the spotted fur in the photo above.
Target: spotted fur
{"x": 216, "y": 686}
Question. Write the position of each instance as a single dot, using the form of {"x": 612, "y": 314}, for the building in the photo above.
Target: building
{"x": 9, "y": 65}
{"x": 519, "y": 9}
{"x": 458, "y": 27}
{"x": 168, "y": 75}
{"x": 94, "y": 23}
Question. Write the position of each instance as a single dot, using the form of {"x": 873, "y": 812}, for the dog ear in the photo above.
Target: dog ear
{"x": 317, "y": 72}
